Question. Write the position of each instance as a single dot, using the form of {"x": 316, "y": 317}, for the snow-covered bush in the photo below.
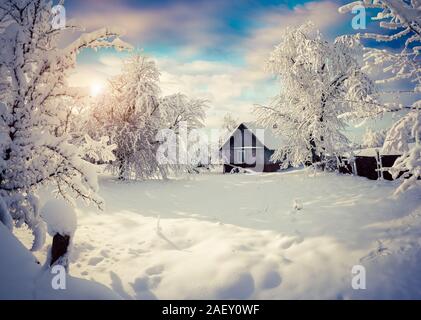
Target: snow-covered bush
{"x": 132, "y": 112}
{"x": 410, "y": 164}
{"x": 34, "y": 149}
{"x": 322, "y": 87}
{"x": 402, "y": 21}
{"x": 373, "y": 139}
{"x": 405, "y": 130}
{"x": 101, "y": 151}
{"x": 397, "y": 142}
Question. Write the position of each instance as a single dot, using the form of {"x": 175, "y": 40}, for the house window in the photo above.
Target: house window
{"x": 248, "y": 156}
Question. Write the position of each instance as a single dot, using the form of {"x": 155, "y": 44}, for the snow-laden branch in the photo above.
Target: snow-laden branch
{"x": 403, "y": 18}
{"x": 35, "y": 146}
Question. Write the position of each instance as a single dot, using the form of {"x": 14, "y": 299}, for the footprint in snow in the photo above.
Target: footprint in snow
{"x": 155, "y": 270}
{"x": 104, "y": 253}
{"x": 95, "y": 260}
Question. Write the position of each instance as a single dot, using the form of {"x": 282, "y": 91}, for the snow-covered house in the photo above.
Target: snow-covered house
{"x": 251, "y": 147}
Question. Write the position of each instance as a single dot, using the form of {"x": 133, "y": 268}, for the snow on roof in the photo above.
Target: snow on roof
{"x": 368, "y": 152}
{"x": 271, "y": 141}
{"x": 372, "y": 152}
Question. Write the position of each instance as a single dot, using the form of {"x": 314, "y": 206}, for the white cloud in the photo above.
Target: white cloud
{"x": 222, "y": 84}
{"x": 236, "y": 89}
{"x": 262, "y": 40}
{"x": 228, "y": 87}
{"x": 111, "y": 61}
{"x": 178, "y": 22}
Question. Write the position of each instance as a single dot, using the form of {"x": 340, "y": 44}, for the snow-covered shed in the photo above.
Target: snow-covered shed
{"x": 371, "y": 162}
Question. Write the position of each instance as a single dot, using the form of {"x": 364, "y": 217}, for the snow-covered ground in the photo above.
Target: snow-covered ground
{"x": 271, "y": 236}
{"x": 22, "y": 278}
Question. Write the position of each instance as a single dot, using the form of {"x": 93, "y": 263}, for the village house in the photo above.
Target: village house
{"x": 250, "y": 147}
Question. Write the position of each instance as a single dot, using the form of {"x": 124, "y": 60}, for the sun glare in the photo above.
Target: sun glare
{"x": 96, "y": 89}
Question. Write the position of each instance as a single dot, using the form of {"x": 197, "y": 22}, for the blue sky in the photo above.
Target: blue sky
{"x": 167, "y": 26}
{"x": 207, "y": 49}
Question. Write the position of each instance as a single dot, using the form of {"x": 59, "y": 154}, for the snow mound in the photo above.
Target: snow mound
{"x": 60, "y": 217}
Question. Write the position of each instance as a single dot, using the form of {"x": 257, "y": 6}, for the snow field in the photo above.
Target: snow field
{"x": 239, "y": 237}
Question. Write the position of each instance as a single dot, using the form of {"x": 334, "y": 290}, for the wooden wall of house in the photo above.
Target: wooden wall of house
{"x": 367, "y": 166}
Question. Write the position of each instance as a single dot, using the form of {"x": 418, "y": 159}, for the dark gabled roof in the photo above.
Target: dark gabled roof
{"x": 270, "y": 140}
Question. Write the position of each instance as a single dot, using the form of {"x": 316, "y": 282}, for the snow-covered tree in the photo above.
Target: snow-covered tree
{"x": 132, "y": 112}
{"x": 397, "y": 141}
{"x": 178, "y": 108}
{"x": 322, "y": 87}
{"x": 373, "y": 139}
{"x": 129, "y": 113}
{"x": 402, "y": 21}
{"x": 229, "y": 123}
{"x": 34, "y": 150}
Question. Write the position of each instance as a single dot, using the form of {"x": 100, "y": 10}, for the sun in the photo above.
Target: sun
{"x": 96, "y": 89}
